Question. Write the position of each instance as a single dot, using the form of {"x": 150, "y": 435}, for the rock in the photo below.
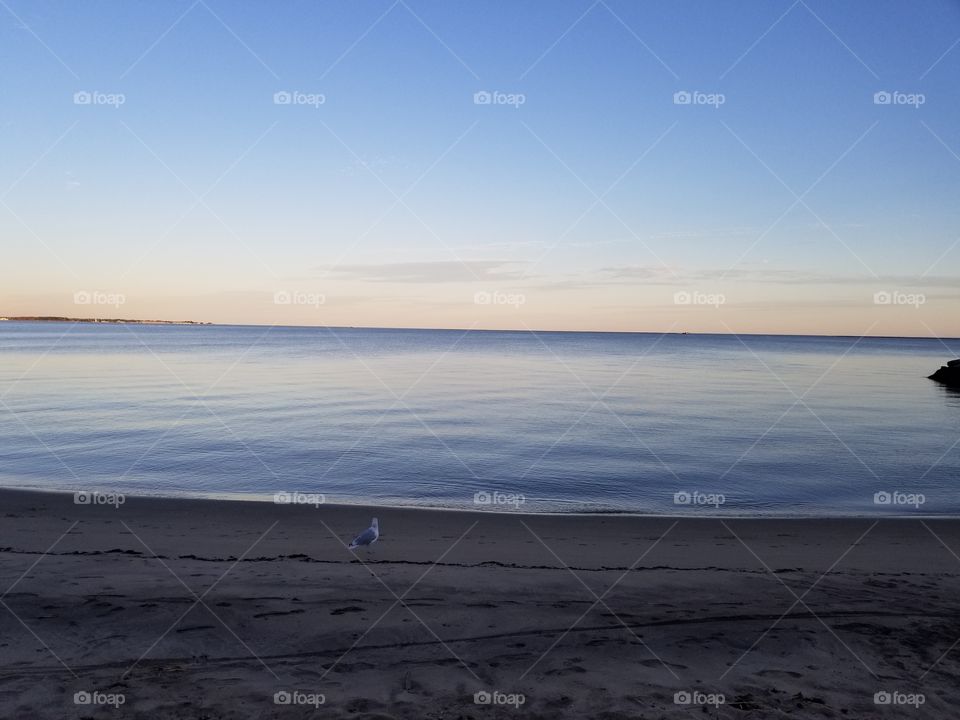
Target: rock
{"x": 949, "y": 374}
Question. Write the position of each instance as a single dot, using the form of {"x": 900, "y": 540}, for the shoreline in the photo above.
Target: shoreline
{"x": 265, "y": 499}
{"x": 100, "y": 321}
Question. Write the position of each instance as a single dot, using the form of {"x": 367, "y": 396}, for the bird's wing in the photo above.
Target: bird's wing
{"x": 366, "y": 537}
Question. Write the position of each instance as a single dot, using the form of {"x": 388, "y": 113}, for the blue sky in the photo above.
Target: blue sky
{"x": 399, "y": 199}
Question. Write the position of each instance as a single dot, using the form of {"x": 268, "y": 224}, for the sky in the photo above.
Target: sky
{"x": 752, "y": 167}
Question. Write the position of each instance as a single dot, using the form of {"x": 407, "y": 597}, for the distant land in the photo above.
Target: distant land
{"x": 115, "y": 321}
{"x": 127, "y": 321}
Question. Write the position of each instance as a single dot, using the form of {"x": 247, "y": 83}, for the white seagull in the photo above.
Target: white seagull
{"x": 367, "y": 537}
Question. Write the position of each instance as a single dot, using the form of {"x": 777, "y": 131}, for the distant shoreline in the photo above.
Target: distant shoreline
{"x": 123, "y": 321}
{"x": 114, "y": 321}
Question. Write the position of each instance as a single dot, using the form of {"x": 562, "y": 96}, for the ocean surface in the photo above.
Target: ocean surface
{"x": 545, "y": 422}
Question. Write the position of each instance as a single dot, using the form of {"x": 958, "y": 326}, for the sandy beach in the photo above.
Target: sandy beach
{"x": 163, "y": 608}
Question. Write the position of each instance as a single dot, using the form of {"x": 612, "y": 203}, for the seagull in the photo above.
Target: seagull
{"x": 367, "y": 537}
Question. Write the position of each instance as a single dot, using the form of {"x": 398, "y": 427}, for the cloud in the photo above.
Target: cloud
{"x": 669, "y": 276}
{"x": 438, "y": 271}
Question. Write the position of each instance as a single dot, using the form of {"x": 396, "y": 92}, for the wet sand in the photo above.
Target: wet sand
{"x": 209, "y": 609}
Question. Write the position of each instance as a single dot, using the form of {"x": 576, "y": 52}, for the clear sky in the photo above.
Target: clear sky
{"x": 150, "y": 167}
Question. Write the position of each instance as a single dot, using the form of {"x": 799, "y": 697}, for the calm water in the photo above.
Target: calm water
{"x": 572, "y": 421}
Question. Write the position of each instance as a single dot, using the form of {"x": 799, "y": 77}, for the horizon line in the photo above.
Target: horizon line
{"x": 204, "y": 323}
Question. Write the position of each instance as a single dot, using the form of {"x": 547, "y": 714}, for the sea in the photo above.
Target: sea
{"x": 542, "y": 422}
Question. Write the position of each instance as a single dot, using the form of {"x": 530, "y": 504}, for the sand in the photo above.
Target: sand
{"x": 165, "y": 608}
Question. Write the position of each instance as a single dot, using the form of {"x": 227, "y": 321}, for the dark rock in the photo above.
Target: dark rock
{"x": 949, "y": 374}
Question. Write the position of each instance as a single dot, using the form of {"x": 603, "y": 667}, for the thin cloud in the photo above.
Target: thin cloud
{"x": 442, "y": 271}
{"x": 661, "y": 275}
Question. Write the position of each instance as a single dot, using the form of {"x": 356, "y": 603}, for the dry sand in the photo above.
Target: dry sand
{"x": 207, "y": 609}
